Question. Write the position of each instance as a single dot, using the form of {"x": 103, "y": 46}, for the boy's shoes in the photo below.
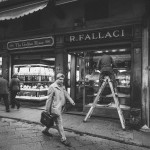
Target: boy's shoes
{"x": 66, "y": 143}
{"x": 46, "y": 133}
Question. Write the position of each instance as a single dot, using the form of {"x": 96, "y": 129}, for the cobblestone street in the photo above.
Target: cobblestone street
{"x": 15, "y": 135}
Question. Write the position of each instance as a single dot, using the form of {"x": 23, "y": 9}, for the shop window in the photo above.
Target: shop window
{"x": 86, "y": 76}
{"x": 36, "y": 72}
{"x": 31, "y": 22}
{"x": 0, "y": 65}
{"x": 96, "y": 9}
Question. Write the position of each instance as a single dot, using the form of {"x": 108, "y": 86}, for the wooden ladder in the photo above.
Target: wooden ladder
{"x": 115, "y": 97}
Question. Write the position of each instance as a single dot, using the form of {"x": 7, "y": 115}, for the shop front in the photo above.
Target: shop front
{"x": 84, "y": 50}
{"x": 34, "y": 62}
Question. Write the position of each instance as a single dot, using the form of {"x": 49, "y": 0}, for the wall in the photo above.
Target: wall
{"x": 62, "y": 17}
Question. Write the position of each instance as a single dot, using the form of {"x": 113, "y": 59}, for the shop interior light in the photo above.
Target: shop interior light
{"x": 31, "y": 65}
{"x": 98, "y": 52}
{"x": 114, "y": 50}
{"x": 123, "y": 70}
{"x": 106, "y": 51}
{"x": 52, "y": 66}
{"x": 49, "y": 59}
{"x": 122, "y": 50}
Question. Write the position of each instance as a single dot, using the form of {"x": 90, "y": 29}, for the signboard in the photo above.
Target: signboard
{"x": 30, "y": 43}
{"x": 101, "y": 35}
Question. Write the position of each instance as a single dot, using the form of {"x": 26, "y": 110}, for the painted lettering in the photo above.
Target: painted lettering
{"x": 18, "y": 45}
{"x": 87, "y": 37}
{"x": 108, "y": 35}
{"x": 94, "y": 37}
{"x": 72, "y": 38}
{"x": 122, "y": 32}
{"x": 23, "y": 44}
{"x": 81, "y": 37}
{"x": 116, "y": 33}
{"x": 100, "y": 36}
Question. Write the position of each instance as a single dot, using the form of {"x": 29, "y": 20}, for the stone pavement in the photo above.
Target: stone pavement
{"x": 18, "y": 135}
{"x": 97, "y": 127}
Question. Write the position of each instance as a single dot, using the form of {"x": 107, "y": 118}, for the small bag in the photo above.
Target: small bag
{"x": 47, "y": 119}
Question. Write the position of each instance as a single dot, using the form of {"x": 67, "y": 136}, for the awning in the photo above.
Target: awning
{"x": 61, "y": 2}
{"x": 24, "y": 9}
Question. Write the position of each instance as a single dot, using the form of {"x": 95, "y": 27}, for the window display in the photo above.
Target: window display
{"x": 34, "y": 81}
{"x": 87, "y": 76}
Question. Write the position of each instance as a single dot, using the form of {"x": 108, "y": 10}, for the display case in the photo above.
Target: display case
{"x": 34, "y": 81}
{"x": 32, "y": 94}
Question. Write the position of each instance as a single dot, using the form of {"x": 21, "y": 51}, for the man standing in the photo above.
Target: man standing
{"x": 14, "y": 88}
{"x": 58, "y": 94}
{"x": 4, "y": 92}
{"x": 106, "y": 65}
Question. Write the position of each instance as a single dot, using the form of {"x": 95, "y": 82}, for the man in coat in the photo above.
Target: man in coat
{"x": 14, "y": 89}
{"x": 58, "y": 94}
{"x": 4, "y": 92}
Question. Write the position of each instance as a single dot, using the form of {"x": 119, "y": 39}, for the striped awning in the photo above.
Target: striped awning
{"x": 22, "y": 10}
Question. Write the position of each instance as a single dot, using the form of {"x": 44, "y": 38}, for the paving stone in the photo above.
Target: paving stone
{"x": 28, "y": 133}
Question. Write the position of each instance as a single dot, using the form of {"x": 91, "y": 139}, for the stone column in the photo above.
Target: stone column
{"x": 136, "y": 84}
{"x": 61, "y": 62}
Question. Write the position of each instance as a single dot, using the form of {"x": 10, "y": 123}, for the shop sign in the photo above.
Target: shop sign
{"x": 100, "y": 35}
{"x": 30, "y": 43}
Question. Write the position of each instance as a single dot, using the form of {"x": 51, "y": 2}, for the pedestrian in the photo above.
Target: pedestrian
{"x": 4, "y": 92}
{"x": 106, "y": 65}
{"x": 14, "y": 89}
{"x": 58, "y": 93}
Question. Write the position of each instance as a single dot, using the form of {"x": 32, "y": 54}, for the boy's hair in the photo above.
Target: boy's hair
{"x": 60, "y": 75}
